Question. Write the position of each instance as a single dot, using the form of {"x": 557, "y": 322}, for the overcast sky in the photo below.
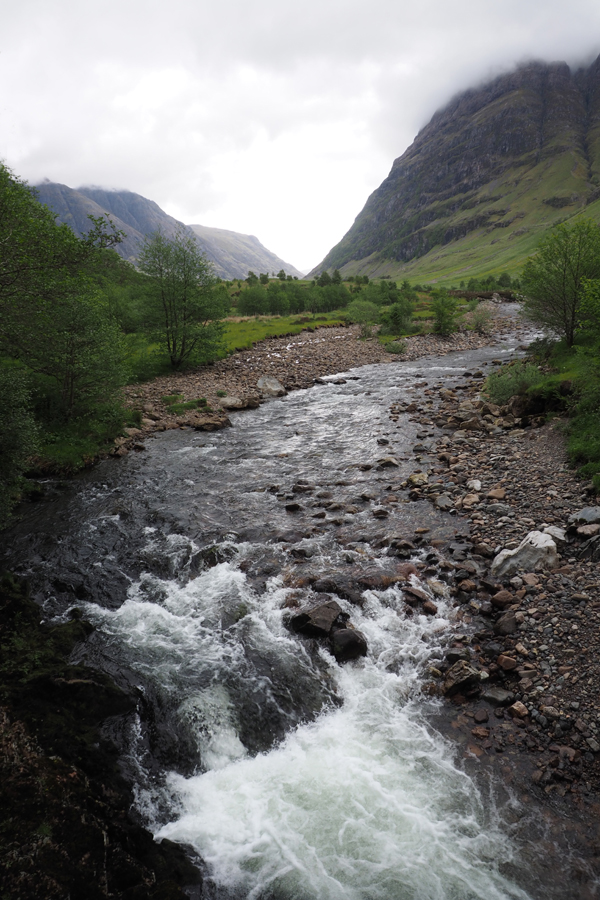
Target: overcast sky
{"x": 268, "y": 117}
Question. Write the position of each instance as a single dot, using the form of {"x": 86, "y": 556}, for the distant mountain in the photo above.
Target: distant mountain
{"x": 232, "y": 254}
{"x": 484, "y": 179}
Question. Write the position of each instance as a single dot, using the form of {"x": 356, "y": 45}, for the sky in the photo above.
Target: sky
{"x": 267, "y": 117}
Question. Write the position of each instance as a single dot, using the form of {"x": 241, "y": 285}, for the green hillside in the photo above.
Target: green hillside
{"x": 484, "y": 180}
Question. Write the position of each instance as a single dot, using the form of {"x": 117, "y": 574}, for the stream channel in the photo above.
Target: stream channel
{"x": 286, "y": 774}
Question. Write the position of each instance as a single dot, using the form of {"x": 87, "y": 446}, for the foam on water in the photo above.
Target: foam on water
{"x": 364, "y": 803}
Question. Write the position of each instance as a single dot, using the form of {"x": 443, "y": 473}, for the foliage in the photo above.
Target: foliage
{"x": 396, "y": 347}
{"x": 397, "y": 319}
{"x": 363, "y": 313}
{"x": 18, "y": 435}
{"x": 481, "y": 318}
{"x": 444, "y": 311}
{"x": 185, "y": 306}
{"x": 513, "y": 379}
{"x": 554, "y": 279}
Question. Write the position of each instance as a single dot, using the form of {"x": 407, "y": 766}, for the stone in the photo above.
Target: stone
{"x": 550, "y": 712}
{"x": 460, "y": 676}
{"x": 316, "y": 621}
{"x": 293, "y": 507}
{"x": 507, "y": 663}
{"x": 557, "y": 534}
{"x": 497, "y": 494}
{"x": 593, "y": 744}
{"x": 232, "y": 403}
{"x": 270, "y": 386}
{"x": 348, "y": 644}
{"x": 502, "y": 599}
{"x": 444, "y": 502}
{"x": 481, "y": 716}
{"x": 470, "y": 500}
{"x": 484, "y": 550}
{"x": 474, "y": 485}
{"x": 497, "y": 696}
{"x": 518, "y": 710}
{"x": 341, "y": 585}
{"x": 590, "y": 515}
{"x": 536, "y": 551}
{"x": 429, "y": 608}
{"x": 388, "y": 462}
{"x": 588, "y": 530}
{"x": 380, "y": 512}
{"x": 506, "y": 624}
{"x": 418, "y": 479}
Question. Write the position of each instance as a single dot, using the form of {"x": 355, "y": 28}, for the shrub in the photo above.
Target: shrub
{"x": 444, "y": 311}
{"x": 516, "y": 378}
{"x": 396, "y": 347}
{"x": 363, "y": 313}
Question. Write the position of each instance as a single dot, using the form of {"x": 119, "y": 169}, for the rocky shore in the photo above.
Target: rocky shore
{"x": 296, "y": 361}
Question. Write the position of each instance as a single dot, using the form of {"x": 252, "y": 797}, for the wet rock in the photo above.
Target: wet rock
{"x": 380, "y": 512}
{"x": 293, "y": 507}
{"x": 316, "y": 621}
{"x": 418, "y": 479}
{"x": 342, "y": 586}
{"x": 444, "y": 502}
{"x": 536, "y": 551}
{"x": 388, "y": 462}
{"x": 460, "y": 676}
{"x": 507, "y": 663}
{"x": 429, "y": 608}
{"x": 506, "y": 624}
{"x": 481, "y": 716}
{"x": 497, "y": 696}
{"x": 348, "y": 644}
{"x": 270, "y": 386}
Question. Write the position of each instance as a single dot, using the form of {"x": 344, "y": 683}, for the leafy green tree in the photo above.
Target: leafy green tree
{"x": 252, "y": 278}
{"x": 18, "y": 435}
{"x": 553, "y": 280}
{"x": 363, "y": 313}
{"x": 336, "y": 278}
{"x": 281, "y": 275}
{"x": 324, "y": 279}
{"x": 186, "y": 309}
{"x": 397, "y": 319}
{"x": 263, "y": 278}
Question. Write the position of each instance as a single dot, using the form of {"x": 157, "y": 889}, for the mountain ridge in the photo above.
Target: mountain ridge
{"x": 231, "y": 253}
{"x": 497, "y": 164}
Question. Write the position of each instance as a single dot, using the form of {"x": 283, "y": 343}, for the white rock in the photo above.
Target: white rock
{"x": 558, "y": 534}
{"x": 536, "y": 551}
{"x": 270, "y": 386}
{"x": 474, "y": 485}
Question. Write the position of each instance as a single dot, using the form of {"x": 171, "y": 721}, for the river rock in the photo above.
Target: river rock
{"x": 341, "y": 585}
{"x": 497, "y": 696}
{"x": 444, "y": 502}
{"x": 460, "y": 676}
{"x": 557, "y": 534}
{"x": 590, "y": 515}
{"x": 347, "y": 644}
{"x": 506, "y": 624}
{"x": 388, "y": 462}
{"x": 536, "y": 551}
{"x": 316, "y": 621}
{"x": 270, "y": 386}
{"x": 418, "y": 479}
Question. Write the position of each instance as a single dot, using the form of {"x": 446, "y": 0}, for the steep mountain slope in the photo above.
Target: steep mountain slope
{"x": 232, "y": 254}
{"x": 484, "y": 179}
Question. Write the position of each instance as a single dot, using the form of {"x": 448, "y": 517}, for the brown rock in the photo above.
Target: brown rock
{"x": 497, "y": 494}
{"x": 480, "y": 732}
{"x": 518, "y": 710}
{"x": 502, "y": 599}
{"x": 460, "y": 676}
{"x": 429, "y": 608}
{"x": 481, "y": 715}
{"x": 316, "y": 621}
{"x": 507, "y": 663}
{"x": 506, "y": 624}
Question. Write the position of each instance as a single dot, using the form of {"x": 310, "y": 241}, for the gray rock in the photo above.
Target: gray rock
{"x": 557, "y": 534}
{"x": 590, "y": 515}
{"x": 536, "y": 551}
{"x": 316, "y": 621}
{"x": 270, "y": 386}
{"x": 444, "y": 502}
{"x": 347, "y": 644}
{"x": 233, "y": 403}
{"x": 460, "y": 676}
{"x": 497, "y": 696}
{"x": 388, "y": 462}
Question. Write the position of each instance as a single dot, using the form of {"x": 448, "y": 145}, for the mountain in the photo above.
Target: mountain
{"x": 481, "y": 183}
{"x": 232, "y": 254}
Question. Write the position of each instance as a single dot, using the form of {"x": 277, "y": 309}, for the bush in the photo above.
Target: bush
{"x": 18, "y": 436}
{"x": 363, "y": 313}
{"x": 397, "y": 319}
{"x": 481, "y": 318}
{"x": 396, "y": 347}
{"x": 516, "y": 378}
{"x": 444, "y": 311}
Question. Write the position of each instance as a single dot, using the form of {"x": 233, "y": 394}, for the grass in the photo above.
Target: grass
{"x": 242, "y": 333}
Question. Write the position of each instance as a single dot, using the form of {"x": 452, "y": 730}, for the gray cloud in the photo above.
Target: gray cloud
{"x": 270, "y": 117}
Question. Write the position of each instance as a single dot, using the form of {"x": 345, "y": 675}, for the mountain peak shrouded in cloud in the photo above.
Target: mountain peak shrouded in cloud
{"x": 492, "y": 170}
{"x": 231, "y": 254}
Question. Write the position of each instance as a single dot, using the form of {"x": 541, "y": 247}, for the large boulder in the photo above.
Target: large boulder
{"x": 270, "y": 386}
{"x": 347, "y": 644}
{"x": 536, "y": 551}
{"x": 590, "y": 515}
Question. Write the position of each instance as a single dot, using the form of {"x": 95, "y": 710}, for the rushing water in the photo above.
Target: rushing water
{"x": 289, "y": 775}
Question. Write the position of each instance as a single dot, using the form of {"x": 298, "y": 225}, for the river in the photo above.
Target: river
{"x": 286, "y": 774}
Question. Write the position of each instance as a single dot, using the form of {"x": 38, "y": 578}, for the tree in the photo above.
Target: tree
{"x": 18, "y": 435}
{"x": 553, "y": 280}
{"x": 363, "y": 313}
{"x": 444, "y": 311}
{"x": 324, "y": 278}
{"x": 52, "y": 319}
{"x": 185, "y": 307}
